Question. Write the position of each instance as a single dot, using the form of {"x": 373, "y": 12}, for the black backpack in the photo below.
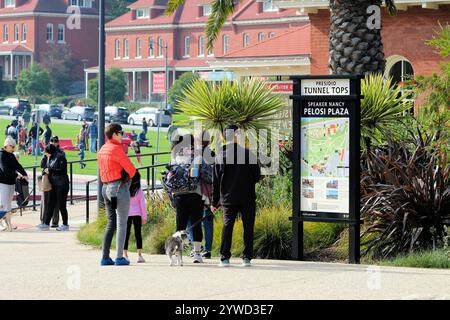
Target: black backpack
{"x": 22, "y": 193}
{"x": 177, "y": 180}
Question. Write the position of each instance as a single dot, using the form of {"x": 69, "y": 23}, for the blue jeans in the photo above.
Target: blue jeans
{"x": 208, "y": 228}
{"x": 93, "y": 147}
{"x": 35, "y": 144}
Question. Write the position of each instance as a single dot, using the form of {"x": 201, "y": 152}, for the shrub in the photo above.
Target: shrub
{"x": 422, "y": 259}
{"x": 8, "y": 88}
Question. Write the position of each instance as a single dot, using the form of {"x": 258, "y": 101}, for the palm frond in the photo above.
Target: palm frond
{"x": 390, "y": 6}
{"x": 221, "y": 10}
{"x": 173, "y": 5}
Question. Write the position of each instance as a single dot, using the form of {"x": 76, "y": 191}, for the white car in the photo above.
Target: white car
{"x": 151, "y": 116}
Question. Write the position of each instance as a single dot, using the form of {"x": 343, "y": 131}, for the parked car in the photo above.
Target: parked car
{"x": 115, "y": 114}
{"x": 17, "y": 106}
{"x": 53, "y": 110}
{"x": 4, "y": 109}
{"x": 150, "y": 115}
{"x": 79, "y": 113}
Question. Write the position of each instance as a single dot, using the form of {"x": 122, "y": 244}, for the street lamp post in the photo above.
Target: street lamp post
{"x": 166, "y": 88}
{"x": 101, "y": 95}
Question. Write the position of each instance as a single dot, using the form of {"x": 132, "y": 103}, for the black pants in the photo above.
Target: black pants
{"x": 137, "y": 222}
{"x": 230, "y": 212}
{"x": 58, "y": 198}
{"x": 45, "y": 202}
{"x": 189, "y": 206}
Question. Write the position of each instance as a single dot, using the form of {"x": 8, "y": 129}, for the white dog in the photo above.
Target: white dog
{"x": 174, "y": 246}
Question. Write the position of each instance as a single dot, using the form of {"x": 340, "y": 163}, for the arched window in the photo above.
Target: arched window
{"x": 5, "y": 33}
{"x": 138, "y": 48}
{"x": 160, "y": 46}
{"x": 187, "y": 46}
{"x": 117, "y": 49}
{"x": 246, "y": 40}
{"x": 201, "y": 46}
{"x": 16, "y": 33}
{"x": 226, "y": 43}
{"x": 400, "y": 70}
{"x": 126, "y": 52}
{"x": 151, "y": 48}
{"x": 261, "y": 36}
{"x": 24, "y": 32}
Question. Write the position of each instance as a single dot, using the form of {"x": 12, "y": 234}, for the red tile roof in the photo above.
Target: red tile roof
{"x": 189, "y": 13}
{"x": 53, "y": 6}
{"x": 294, "y": 42}
{"x": 14, "y": 48}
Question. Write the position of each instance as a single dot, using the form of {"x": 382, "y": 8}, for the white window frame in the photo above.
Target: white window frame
{"x": 63, "y": 33}
{"x": 24, "y": 32}
{"x": 117, "y": 49}
{"x": 142, "y": 13}
{"x": 126, "y": 49}
{"x": 160, "y": 47}
{"x": 16, "y": 33}
{"x": 138, "y": 48}
{"x": 187, "y": 46}
{"x": 271, "y": 35}
{"x": 207, "y": 9}
{"x": 151, "y": 47}
{"x": 49, "y": 32}
{"x": 261, "y": 37}
{"x": 225, "y": 43}
{"x": 268, "y": 6}
{"x": 201, "y": 46}
{"x": 82, "y": 3}
{"x": 10, "y": 3}
{"x": 245, "y": 40}
{"x": 5, "y": 33}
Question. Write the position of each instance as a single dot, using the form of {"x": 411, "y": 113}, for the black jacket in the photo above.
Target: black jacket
{"x": 8, "y": 168}
{"x": 32, "y": 132}
{"x": 57, "y": 167}
{"x": 234, "y": 183}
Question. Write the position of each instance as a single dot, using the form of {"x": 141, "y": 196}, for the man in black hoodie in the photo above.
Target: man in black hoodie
{"x": 235, "y": 174}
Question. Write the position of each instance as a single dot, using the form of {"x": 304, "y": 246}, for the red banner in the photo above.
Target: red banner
{"x": 282, "y": 86}
{"x": 159, "y": 83}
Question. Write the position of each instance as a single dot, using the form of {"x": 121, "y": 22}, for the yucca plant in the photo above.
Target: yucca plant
{"x": 405, "y": 197}
{"x": 249, "y": 104}
{"x": 382, "y": 110}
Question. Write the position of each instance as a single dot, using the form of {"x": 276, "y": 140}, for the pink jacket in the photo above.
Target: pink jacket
{"x": 138, "y": 206}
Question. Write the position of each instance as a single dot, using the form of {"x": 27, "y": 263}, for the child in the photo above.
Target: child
{"x": 81, "y": 142}
{"x": 137, "y": 151}
{"x": 137, "y": 215}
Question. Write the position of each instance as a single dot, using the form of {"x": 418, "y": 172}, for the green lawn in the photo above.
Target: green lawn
{"x": 66, "y": 131}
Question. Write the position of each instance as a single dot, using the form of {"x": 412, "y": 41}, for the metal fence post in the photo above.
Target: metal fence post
{"x": 153, "y": 173}
{"x": 87, "y": 202}
{"x": 34, "y": 189}
{"x": 71, "y": 183}
{"x": 148, "y": 181}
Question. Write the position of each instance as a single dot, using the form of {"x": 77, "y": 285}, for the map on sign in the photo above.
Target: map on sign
{"x": 325, "y": 164}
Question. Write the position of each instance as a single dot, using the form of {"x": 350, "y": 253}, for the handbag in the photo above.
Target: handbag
{"x": 45, "y": 183}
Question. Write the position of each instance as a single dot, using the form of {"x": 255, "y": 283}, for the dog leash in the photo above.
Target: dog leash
{"x": 196, "y": 223}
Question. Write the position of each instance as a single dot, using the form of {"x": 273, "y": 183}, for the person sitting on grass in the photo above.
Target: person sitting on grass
{"x": 142, "y": 139}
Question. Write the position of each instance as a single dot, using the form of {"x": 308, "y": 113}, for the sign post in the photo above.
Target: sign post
{"x": 326, "y": 132}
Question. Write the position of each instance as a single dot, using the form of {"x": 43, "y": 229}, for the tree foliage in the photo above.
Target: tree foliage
{"x": 175, "y": 92}
{"x": 115, "y": 86}
{"x": 33, "y": 82}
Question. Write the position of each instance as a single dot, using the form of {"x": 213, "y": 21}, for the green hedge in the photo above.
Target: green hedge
{"x": 8, "y": 88}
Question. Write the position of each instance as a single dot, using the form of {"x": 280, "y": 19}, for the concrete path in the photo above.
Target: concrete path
{"x": 53, "y": 265}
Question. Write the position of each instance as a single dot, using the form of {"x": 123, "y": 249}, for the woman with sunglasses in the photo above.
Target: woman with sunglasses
{"x": 10, "y": 170}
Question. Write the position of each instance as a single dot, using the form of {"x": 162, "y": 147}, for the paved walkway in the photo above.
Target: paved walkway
{"x": 53, "y": 265}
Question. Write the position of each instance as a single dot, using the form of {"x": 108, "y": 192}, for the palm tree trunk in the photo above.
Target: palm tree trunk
{"x": 354, "y": 47}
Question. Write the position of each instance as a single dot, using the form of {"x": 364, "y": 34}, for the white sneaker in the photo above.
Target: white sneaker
{"x": 198, "y": 258}
{"x": 140, "y": 259}
{"x": 63, "y": 228}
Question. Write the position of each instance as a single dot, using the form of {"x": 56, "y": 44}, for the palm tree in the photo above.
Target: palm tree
{"x": 354, "y": 47}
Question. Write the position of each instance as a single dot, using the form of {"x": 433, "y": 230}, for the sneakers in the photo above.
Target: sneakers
{"x": 122, "y": 262}
{"x": 43, "y": 227}
{"x": 206, "y": 254}
{"x": 107, "y": 262}
{"x": 140, "y": 259}
{"x": 224, "y": 263}
{"x": 63, "y": 227}
{"x": 246, "y": 262}
{"x": 197, "y": 258}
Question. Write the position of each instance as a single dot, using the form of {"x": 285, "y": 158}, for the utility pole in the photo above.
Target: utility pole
{"x": 101, "y": 95}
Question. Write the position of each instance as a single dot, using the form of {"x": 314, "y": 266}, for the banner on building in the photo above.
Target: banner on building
{"x": 159, "y": 83}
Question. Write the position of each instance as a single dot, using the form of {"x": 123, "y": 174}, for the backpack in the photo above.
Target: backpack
{"x": 177, "y": 180}
{"x": 22, "y": 193}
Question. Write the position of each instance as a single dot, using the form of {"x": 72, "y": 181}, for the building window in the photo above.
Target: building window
{"x": 24, "y": 63}
{"x": 201, "y": 46}
{"x": 125, "y": 49}
{"x": 401, "y": 71}
{"x": 226, "y": 43}
{"x": 61, "y": 33}
{"x": 82, "y": 3}
{"x": 49, "y": 32}
{"x": 142, "y": 13}
{"x": 160, "y": 46}
{"x": 16, "y": 33}
{"x": 10, "y": 3}
{"x": 246, "y": 39}
{"x": 271, "y": 35}
{"x": 5, "y": 33}
{"x": 117, "y": 49}
{"x": 138, "y": 48}
{"x": 206, "y": 10}
{"x": 268, "y": 6}
{"x": 187, "y": 45}
{"x": 24, "y": 32}
{"x": 151, "y": 48}
{"x": 261, "y": 36}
